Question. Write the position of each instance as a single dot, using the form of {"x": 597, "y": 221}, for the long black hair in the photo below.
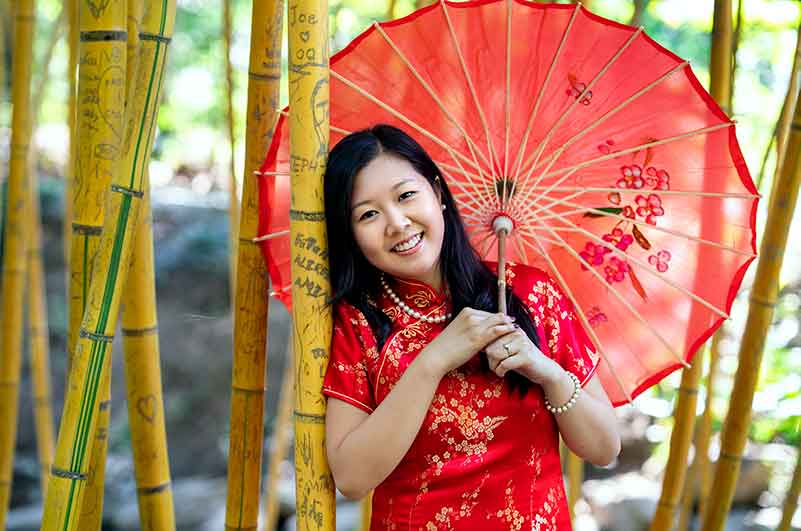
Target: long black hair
{"x": 356, "y": 281}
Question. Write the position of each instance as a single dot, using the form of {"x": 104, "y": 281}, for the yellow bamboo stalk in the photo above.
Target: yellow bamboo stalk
{"x": 705, "y": 427}
{"x": 140, "y": 342}
{"x": 282, "y": 434}
{"x": 91, "y": 511}
{"x": 233, "y": 203}
{"x": 250, "y": 299}
{"x": 100, "y": 96}
{"x": 390, "y": 10}
{"x": 3, "y": 18}
{"x": 15, "y": 245}
{"x": 639, "y": 11}
{"x": 56, "y": 31}
{"x": 760, "y": 313}
{"x": 73, "y": 36}
{"x": 684, "y": 418}
{"x": 698, "y": 476}
{"x": 92, "y": 355}
{"x": 720, "y": 57}
{"x": 686, "y": 402}
{"x": 367, "y": 511}
{"x": 790, "y": 100}
{"x": 39, "y": 335}
{"x": 791, "y": 499}
{"x": 311, "y": 318}
{"x": 736, "y": 34}
{"x": 575, "y": 478}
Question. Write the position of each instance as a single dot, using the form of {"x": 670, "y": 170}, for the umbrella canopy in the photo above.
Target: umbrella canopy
{"x": 616, "y": 171}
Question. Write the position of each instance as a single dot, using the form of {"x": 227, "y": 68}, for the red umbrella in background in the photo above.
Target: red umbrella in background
{"x": 572, "y": 143}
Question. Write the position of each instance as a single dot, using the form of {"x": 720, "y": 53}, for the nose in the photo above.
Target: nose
{"x": 397, "y": 221}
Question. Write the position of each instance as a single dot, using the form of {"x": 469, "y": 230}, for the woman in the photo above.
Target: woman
{"x": 448, "y": 409}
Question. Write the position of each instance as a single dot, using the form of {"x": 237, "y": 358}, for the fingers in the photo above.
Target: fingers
{"x": 496, "y": 352}
{"x": 510, "y": 364}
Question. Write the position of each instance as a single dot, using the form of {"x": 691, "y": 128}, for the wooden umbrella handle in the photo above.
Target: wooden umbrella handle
{"x": 502, "y": 270}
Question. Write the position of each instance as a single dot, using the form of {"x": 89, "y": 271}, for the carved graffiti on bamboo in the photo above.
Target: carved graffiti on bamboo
{"x": 97, "y": 7}
{"x": 252, "y": 314}
{"x": 146, "y": 406}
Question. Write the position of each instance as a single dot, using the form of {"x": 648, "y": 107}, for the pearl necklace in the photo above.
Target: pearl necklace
{"x": 414, "y": 313}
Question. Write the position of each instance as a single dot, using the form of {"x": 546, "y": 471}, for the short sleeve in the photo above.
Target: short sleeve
{"x": 568, "y": 341}
{"x": 346, "y": 377}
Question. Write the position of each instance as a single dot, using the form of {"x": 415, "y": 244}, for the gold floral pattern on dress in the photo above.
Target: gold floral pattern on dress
{"x": 509, "y": 514}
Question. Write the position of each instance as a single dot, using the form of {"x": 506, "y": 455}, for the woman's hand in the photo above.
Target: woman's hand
{"x": 467, "y": 334}
{"x": 516, "y": 352}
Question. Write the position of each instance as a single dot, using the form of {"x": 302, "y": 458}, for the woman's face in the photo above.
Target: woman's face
{"x": 397, "y": 220}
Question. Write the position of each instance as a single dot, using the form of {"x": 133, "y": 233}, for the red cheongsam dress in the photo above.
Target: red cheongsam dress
{"x": 484, "y": 459}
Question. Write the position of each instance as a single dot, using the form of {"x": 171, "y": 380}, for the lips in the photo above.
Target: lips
{"x": 408, "y": 243}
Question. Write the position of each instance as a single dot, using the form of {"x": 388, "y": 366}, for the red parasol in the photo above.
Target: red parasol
{"x": 596, "y": 149}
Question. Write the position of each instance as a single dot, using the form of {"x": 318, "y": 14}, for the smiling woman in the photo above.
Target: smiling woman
{"x": 436, "y": 400}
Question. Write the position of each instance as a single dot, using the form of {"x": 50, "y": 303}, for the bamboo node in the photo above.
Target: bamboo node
{"x": 67, "y": 474}
{"x": 303, "y": 215}
{"x": 103, "y": 36}
{"x": 89, "y": 230}
{"x": 84, "y": 333}
{"x": 153, "y": 490}
{"x": 310, "y": 418}
{"x": 127, "y": 191}
{"x": 154, "y": 37}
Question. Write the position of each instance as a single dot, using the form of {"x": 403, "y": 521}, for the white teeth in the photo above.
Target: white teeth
{"x": 409, "y": 244}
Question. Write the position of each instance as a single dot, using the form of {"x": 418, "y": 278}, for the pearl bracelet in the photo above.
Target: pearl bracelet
{"x": 570, "y": 403}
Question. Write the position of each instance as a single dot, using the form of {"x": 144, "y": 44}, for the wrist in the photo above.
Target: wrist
{"x": 429, "y": 366}
{"x": 558, "y": 386}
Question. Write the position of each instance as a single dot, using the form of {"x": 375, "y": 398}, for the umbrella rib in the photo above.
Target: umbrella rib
{"x": 533, "y": 114}
{"x": 507, "y": 91}
{"x": 619, "y": 296}
{"x": 685, "y": 193}
{"x": 270, "y": 236}
{"x": 582, "y": 317}
{"x": 541, "y": 146}
{"x": 581, "y": 208}
{"x": 632, "y": 149}
{"x": 642, "y": 264}
{"x": 478, "y": 198}
{"x": 430, "y": 91}
{"x": 463, "y": 64}
{"x": 399, "y": 115}
{"x": 553, "y": 157}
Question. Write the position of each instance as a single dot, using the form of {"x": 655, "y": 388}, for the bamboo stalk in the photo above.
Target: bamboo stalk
{"x": 282, "y": 434}
{"x": 760, "y": 313}
{"x": 73, "y": 37}
{"x": 791, "y": 499}
{"x": 390, "y": 10}
{"x": 311, "y": 317}
{"x": 575, "y": 478}
{"x": 704, "y": 433}
{"x": 639, "y": 12}
{"x": 251, "y": 304}
{"x": 140, "y": 343}
{"x": 680, "y": 438}
{"x": 91, "y": 510}
{"x": 92, "y": 355}
{"x": 99, "y": 144}
{"x": 233, "y": 201}
{"x": 15, "y": 245}
{"x": 734, "y": 47}
{"x": 38, "y": 334}
{"x": 367, "y": 511}
{"x": 56, "y": 32}
{"x": 790, "y": 101}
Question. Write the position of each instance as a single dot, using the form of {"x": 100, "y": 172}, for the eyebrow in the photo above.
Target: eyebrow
{"x": 397, "y": 185}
